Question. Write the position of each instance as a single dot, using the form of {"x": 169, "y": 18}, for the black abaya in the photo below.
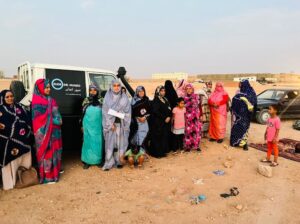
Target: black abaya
{"x": 160, "y": 130}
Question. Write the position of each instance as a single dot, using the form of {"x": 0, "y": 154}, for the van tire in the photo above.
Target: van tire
{"x": 18, "y": 90}
{"x": 261, "y": 116}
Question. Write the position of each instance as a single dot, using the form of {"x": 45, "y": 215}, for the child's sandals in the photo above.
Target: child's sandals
{"x": 274, "y": 164}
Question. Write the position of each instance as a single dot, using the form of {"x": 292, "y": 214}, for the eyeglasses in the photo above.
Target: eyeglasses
{"x": 116, "y": 85}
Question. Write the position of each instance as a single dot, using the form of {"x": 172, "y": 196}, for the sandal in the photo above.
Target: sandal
{"x": 274, "y": 164}
{"x": 265, "y": 161}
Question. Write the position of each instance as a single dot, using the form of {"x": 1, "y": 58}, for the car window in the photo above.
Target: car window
{"x": 268, "y": 94}
{"x": 101, "y": 80}
{"x": 279, "y": 94}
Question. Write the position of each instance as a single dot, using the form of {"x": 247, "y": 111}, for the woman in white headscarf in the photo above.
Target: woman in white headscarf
{"x": 116, "y": 120}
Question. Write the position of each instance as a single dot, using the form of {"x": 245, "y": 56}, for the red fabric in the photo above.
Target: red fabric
{"x": 48, "y": 145}
{"x": 272, "y": 146}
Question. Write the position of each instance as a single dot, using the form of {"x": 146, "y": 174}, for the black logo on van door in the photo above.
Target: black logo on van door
{"x": 57, "y": 84}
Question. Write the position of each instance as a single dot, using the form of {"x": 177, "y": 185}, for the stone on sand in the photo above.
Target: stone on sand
{"x": 265, "y": 170}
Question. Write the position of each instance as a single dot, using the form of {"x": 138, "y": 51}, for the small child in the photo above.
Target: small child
{"x": 271, "y": 135}
{"x": 178, "y": 124}
{"x": 135, "y": 156}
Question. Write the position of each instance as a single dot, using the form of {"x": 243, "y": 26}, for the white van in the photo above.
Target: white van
{"x": 69, "y": 86}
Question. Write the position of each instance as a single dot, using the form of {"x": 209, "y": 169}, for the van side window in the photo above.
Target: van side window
{"x": 101, "y": 80}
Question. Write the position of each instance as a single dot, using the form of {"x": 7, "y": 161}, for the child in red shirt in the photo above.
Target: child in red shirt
{"x": 271, "y": 135}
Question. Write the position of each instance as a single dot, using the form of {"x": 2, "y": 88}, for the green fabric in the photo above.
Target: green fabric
{"x": 92, "y": 136}
{"x": 129, "y": 153}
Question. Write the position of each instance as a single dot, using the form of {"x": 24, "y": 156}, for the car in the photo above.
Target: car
{"x": 288, "y": 101}
{"x": 69, "y": 86}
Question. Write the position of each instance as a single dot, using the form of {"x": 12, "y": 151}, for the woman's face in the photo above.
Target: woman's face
{"x": 162, "y": 92}
{"x": 141, "y": 94}
{"x": 116, "y": 87}
{"x": 189, "y": 90}
{"x": 47, "y": 90}
{"x": 209, "y": 85}
{"x": 93, "y": 92}
{"x": 219, "y": 87}
{"x": 9, "y": 98}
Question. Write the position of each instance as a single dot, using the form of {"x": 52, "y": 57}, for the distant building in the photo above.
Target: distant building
{"x": 172, "y": 76}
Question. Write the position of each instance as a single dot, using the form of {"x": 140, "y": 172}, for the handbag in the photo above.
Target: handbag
{"x": 26, "y": 177}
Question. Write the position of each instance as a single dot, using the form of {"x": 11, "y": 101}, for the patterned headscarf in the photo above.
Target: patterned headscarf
{"x": 189, "y": 85}
{"x": 181, "y": 88}
{"x": 158, "y": 95}
{"x": 39, "y": 87}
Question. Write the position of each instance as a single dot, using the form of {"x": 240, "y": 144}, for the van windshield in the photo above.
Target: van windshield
{"x": 103, "y": 81}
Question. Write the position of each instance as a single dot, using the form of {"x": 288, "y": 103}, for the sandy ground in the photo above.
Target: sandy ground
{"x": 160, "y": 192}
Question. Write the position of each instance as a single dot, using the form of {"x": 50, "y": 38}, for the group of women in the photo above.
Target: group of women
{"x": 113, "y": 124}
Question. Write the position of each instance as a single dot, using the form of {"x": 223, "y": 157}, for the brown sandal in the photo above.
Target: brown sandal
{"x": 274, "y": 164}
{"x": 265, "y": 161}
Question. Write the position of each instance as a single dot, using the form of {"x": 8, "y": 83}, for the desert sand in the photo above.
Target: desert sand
{"x": 160, "y": 192}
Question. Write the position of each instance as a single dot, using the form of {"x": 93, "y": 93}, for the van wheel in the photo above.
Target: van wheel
{"x": 262, "y": 116}
{"x": 18, "y": 90}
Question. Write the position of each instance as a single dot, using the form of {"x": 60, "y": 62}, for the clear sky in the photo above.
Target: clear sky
{"x": 150, "y": 36}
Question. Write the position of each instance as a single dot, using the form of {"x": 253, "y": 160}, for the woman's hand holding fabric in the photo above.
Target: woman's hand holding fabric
{"x": 2, "y": 126}
{"x": 113, "y": 128}
{"x": 142, "y": 119}
{"x": 167, "y": 119}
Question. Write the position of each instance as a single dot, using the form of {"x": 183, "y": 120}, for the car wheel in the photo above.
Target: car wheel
{"x": 263, "y": 116}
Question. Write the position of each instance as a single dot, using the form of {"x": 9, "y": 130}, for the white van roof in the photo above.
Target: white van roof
{"x": 65, "y": 67}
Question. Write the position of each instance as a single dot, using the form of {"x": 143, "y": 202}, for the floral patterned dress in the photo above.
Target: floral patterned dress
{"x": 193, "y": 125}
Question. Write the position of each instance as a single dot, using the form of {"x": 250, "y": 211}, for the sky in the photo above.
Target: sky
{"x": 153, "y": 36}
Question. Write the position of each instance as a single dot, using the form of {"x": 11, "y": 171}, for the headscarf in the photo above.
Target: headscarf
{"x": 247, "y": 89}
{"x": 171, "y": 94}
{"x": 160, "y": 97}
{"x": 140, "y": 106}
{"x": 191, "y": 100}
{"x": 93, "y": 100}
{"x": 136, "y": 95}
{"x": 116, "y": 101}
{"x": 2, "y": 96}
{"x": 181, "y": 88}
{"x": 189, "y": 85}
{"x": 42, "y": 117}
{"x": 219, "y": 92}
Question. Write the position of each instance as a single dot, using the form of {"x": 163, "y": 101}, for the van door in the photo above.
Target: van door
{"x": 68, "y": 88}
{"x": 292, "y": 100}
